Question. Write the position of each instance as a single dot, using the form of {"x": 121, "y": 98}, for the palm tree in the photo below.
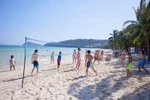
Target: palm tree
{"x": 113, "y": 39}
{"x": 122, "y": 40}
{"x": 140, "y": 29}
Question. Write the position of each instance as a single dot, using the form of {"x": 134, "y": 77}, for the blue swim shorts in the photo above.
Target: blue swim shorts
{"x": 89, "y": 64}
{"x": 36, "y": 64}
{"x": 142, "y": 63}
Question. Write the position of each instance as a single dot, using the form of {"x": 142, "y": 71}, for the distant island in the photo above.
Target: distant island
{"x": 83, "y": 43}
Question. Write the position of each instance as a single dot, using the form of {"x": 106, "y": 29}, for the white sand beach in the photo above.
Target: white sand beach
{"x": 68, "y": 84}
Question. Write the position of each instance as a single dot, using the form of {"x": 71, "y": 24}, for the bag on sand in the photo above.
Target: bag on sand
{"x": 108, "y": 58}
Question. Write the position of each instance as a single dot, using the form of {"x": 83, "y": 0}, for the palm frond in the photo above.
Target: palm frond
{"x": 142, "y": 3}
{"x": 110, "y": 38}
{"x": 129, "y": 22}
{"x": 148, "y": 6}
{"x": 131, "y": 27}
{"x": 134, "y": 10}
{"x": 110, "y": 34}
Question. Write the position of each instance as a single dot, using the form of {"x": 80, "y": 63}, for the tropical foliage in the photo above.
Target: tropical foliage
{"x": 136, "y": 33}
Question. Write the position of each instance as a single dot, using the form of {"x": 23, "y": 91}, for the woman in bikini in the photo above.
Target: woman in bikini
{"x": 52, "y": 57}
{"x": 78, "y": 59}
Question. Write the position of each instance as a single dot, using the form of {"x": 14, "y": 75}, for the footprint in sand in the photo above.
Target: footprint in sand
{"x": 29, "y": 93}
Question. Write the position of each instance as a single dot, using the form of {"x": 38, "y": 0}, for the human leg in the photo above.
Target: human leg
{"x": 145, "y": 69}
{"x": 14, "y": 67}
{"x": 32, "y": 70}
{"x": 37, "y": 71}
{"x": 10, "y": 68}
{"x": 94, "y": 71}
{"x": 87, "y": 71}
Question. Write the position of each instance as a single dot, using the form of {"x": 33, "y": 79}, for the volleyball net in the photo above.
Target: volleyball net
{"x": 30, "y": 45}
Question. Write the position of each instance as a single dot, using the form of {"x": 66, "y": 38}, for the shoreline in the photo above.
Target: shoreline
{"x": 69, "y": 84}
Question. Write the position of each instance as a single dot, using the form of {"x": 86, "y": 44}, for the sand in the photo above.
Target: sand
{"x": 69, "y": 84}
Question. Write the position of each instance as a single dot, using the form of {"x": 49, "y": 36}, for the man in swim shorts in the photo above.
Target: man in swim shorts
{"x": 35, "y": 62}
{"x": 142, "y": 61}
{"x": 129, "y": 66}
{"x": 89, "y": 64}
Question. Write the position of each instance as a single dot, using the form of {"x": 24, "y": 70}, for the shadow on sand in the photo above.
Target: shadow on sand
{"x": 103, "y": 90}
{"x": 48, "y": 70}
{"x": 15, "y": 79}
{"x": 141, "y": 93}
{"x": 2, "y": 71}
{"x": 69, "y": 70}
{"x": 80, "y": 77}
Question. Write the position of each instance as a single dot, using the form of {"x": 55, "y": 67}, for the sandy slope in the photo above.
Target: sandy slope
{"x": 68, "y": 84}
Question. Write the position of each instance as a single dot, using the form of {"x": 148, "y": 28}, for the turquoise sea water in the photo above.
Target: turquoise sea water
{"x": 44, "y": 53}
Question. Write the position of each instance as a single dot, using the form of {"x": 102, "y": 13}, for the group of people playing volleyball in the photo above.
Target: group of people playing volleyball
{"x": 141, "y": 59}
{"x": 89, "y": 63}
{"x": 88, "y": 60}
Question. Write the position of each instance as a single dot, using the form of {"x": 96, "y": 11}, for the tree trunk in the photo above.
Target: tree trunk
{"x": 148, "y": 49}
{"x": 115, "y": 45}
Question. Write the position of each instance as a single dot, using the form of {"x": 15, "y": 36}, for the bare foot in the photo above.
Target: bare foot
{"x": 96, "y": 74}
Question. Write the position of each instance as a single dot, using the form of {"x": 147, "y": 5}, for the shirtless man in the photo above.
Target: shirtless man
{"x": 78, "y": 59}
{"x": 96, "y": 57}
{"x": 89, "y": 58}
{"x": 142, "y": 61}
{"x": 35, "y": 62}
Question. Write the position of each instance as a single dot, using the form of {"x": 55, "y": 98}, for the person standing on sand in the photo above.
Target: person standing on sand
{"x": 85, "y": 59}
{"x": 89, "y": 64}
{"x": 74, "y": 57}
{"x": 120, "y": 54}
{"x": 142, "y": 61}
{"x": 12, "y": 63}
{"x": 102, "y": 54}
{"x": 52, "y": 57}
{"x": 34, "y": 61}
{"x": 129, "y": 66}
{"x": 96, "y": 57}
{"x": 123, "y": 55}
{"x": 58, "y": 60}
{"x": 78, "y": 59}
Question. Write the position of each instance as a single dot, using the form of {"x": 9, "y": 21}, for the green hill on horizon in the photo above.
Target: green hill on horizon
{"x": 89, "y": 43}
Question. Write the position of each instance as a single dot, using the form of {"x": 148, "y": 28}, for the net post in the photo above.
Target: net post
{"x": 25, "y": 50}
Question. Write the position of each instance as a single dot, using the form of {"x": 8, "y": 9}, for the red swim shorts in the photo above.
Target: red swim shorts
{"x": 58, "y": 63}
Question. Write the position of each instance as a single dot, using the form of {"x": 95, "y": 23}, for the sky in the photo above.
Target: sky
{"x": 58, "y": 20}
